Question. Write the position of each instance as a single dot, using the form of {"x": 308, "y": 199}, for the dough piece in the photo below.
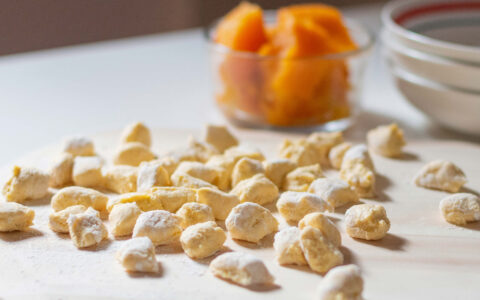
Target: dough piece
{"x": 75, "y": 195}
{"x": 386, "y": 140}
{"x": 162, "y": 227}
{"x": 121, "y": 179}
{"x": 220, "y": 202}
{"x": 143, "y": 200}
{"x": 169, "y": 163}
{"x": 341, "y": 283}
{"x": 335, "y": 191}
{"x": 224, "y": 165}
{"x": 86, "y": 229}
{"x": 293, "y": 206}
{"x": 138, "y": 255}
{"x": 203, "y": 151}
{"x": 87, "y": 171}
{"x": 258, "y": 189}
{"x": 15, "y": 216}
{"x": 367, "y": 221}
{"x": 441, "y": 175}
{"x": 336, "y": 154}
{"x": 358, "y": 171}
{"x": 322, "y": 223}
{"x": 323, "y": 142}
{"x": 198, "y": 170}
{"x": 277, "y": 169}
{"x": 79, "y": 146}
{"x": 58, "y": 220}
{"x": 172, "y": 198}
{"x": 250, "y": 222}
{"x": 241, "y": 268}
{"x": 301, "y": 151}
{"x": 132, "y": 154}
{"x": 61, "y": 171}
{"x": 246, "y": 168}
{"x": 241, "y": 151}
{"x": 287, "y": 247}
{"x": 123, "y": 217}
{"x": 137, "y": 132}
{"x": 26, "y": 184}
{"x": 180, "y": 179}
{"x": 192, "y": 213}
{"x": 460, "y": 208}
{"x": 219, "y": 137}
{"x": 202, "y": 240}
{"x": 320, "y": 254}
{"x": 300, "y": 179}
{"x": 152, "y": 174}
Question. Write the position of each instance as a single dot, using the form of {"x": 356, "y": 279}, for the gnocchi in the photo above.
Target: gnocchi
{"x": 441, "y": 175}
{"x": 15, "y": 217}
{"x": 162, "y": 227}
{"x": 336, "y": 154}
{"x": 86, "y": 229}
{"x": 151, "y": 174}
{"x": 277, "y": 169}
{"x": 192, "y": 213}
{"x": 58, "y": 220}
{"x": 138, "y": 255}
{"x": 75, "y": 195}
{"x": 358, "y": 171}
{"x": 123, "y": 217}
{"x": 322, "y": 223}
{"x": 386, "y": 140}
{"x": 132, "y": 154}
{"x": 287, "y": 247}
{"x": 246, "y": 168}
{"x": 137, "y": 132}
{"x": 293, "y": 206}
{"x": 320, "y": 254}
{"x": 460, "y": 208}
{"x": 343, "y": 282}
{"x": 220, "y": 137}
{"x": 202, "y": 240}
{"x": 335, "y": 191}
{"x": 79, "y": 146}
{"x": 367, "y": 221}
{"x": 26, "y": 184}
{"x": 300, "y": 178}
{"x": 220, "y": 202}
{"x": 258, "y": 189}
{"x": 87, "y": 171}
{"x": 61, "y": 170}
{"x": 121, "y": 179}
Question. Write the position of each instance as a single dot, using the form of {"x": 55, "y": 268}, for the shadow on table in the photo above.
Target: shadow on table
{"x": 17, "y": 236}
{"x": 158, "y": 274}
{"x": 390, "y": 241}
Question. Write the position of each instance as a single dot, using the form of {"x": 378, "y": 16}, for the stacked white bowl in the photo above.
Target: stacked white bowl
{"x": 433, "y": 50}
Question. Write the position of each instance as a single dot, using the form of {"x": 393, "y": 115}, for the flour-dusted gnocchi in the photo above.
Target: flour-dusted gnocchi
{"x": 143, "y": 200}
{"x": 172, "y": 198}
{"x": 86, "y": 229}
{"x": 61, "y": 170}
{"x": 288, "y": 250}
{"x": 79, "y": 146}
{"x": 441, "y": 175}
{"x": 198, "y": 170}
{"x": 75, "y": 195}
{"x": 258, "y": 189}
{"x": 192, "y": 213}
{"x": 323, "y": 142}
{"x": 120, "y": 179}
{"x": 320, "y": 254}
{"x": 241, "y": 151}
{"x": 301, "y": 151}
{"x": 15, "y": 216}
{"x": 367, "y": 221}
{"x": 180, "y": 179}
{"x": 460, "y": 208}
{"x": 224, "y": 165}
{"x": 343, "y": 282}
{"x": 220, "y": 202}
{"x": 246, "y": 168}
{"x": 336, "y": 154}
{"x": 137, "y": 132}
{"x": 169, "y": 163}
{"x": 219, "y": 137}
{"x": 87, "y": 171}
{"x": 26, "y": 184}
{"x": 322, "y": 223}
{"x": 202, "y": 240}
{"x": 300, "y": 178}
{"x": 138, "y": 255}
{"x": 358, "y": 171}
{"x": 277, "y": 169}
{"x": 152, "y": 174}
{"x": 386, "y": 140}
{"x": 132, "y": 154}
{"x": 123, "y": 217}
{"x": 58, "y": 219}
{"x": 335, "y": 191}
{"x": 161, "y": 226}
{"x": 293, "y": 206}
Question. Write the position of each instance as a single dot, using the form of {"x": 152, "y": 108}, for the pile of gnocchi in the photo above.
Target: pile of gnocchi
{"x": 179, "y": 197}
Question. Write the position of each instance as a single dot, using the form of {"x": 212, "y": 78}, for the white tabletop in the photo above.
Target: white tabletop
{"x": 160, "y": 79}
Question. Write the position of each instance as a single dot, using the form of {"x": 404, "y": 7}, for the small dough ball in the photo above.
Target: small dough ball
{"x": 246, "y": 168}
{"x": 301, "y": 152}
{"x": 169, "y": 163}
{"x": 192, "y": 213}
{"x": 460, "y": 208}
{"x": 335, "y": 191}
{"x": 152, "y": 174}
{"x": 138, "y": 255}
{"x": 172, "y": 198}
{"x": 220, "y": 202}
{"x": 277, "y": 169}
{"x": 287, "y": 247}
{"x": 75, "y": 195}
{"x": 220, "y": 137}
{"x": 293, "y": 206}
{"x": 320, "y": 253}
{"x": 137, "y": 132}
{"x": 58, "y": 220}
{"x": 250, "y": 222}
{"x": 15, "y": 216}
{"x": 86, "y": 229}
{"x": 26, "y": 184}
{"x": 241, "y": 268}
{"x": 358, "y": 171}
{"x": 61, "y": 170}
{"x": 202, "y": 240}
{"x": 336, "y": 154}
{"x": 198, "y": 170}
{"x": 367, "y": 221}
{"x": 143, "y": 200}
{"x": 358, "y": 154}
{"x": 241, "y": 151}
{"x": 343, "y": 282}
{"x": 441, "y": 175}
{"x": 87, "y": 171}
{"x": 322, "y": 223}
{"x": 386, "y": 140}
{"x": 79, "y": 146}
{"x": 123, "y": 217}
{"x": 132, "y": 154}
{"x": 121, "y": 179}
{"x": 323, "y": 142}
{"x": 300, "y": 179}
{"x": 258, "y": 189}
{"x": 180, "y": 179}
{"x": 224, "y": 165}
{"x": 161, "y": 226}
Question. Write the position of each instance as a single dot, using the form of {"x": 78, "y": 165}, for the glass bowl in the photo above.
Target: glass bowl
{"x": 317, "y": 92}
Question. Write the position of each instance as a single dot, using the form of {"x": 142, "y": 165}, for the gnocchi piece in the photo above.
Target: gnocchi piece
{"x": 121, "y": 179}
{"x": 219, "y": 137}
{"x": 300, "y": 178}
{"x": 220, "y": 202}
{"x": 301, "y": 151}
{"x": 184, "y": 180}
{"x": 58, "y": 220}
{"x": 143, "y": 200}
{"x": 162, "y": 227}
{"x": 322, "y": 223}
{"x": 87, "y": 171}
{"x": 138, "y": 255}
{"x": 137, "y": 132}
{"x": 241, "y": 268}
{"x": 343, "y": 282}
{"x": 323, "y": 142}
{"x": 151, "y": 174}
{"x": 202, "y": 151}
{"x": 79, "y": 146}
{"x": 123, "y": 217}
{"x": 198, "y": 170}
{"x": 202, "y": 240}
{"x": 250, "y": 222}
{"x": 26, "y": 184}
{"x": 460, "y": 208}
{"x": 335, "y": 191}
{"x": 75, "y": 195}
{"x": 169, "y": 163}
{"x": 258, "y": 189}
{"x": 86, "y": 229}
{"x": 172, "y": 198}
{"x": 61, "y": 170}
{"x": 293, "y": 206}
{"x": 224, "y": 165}
{"x": 132, "y": 154}
{"x": 441, "y": 175}
{"x": 358, "y": 171}
{"x": 386, "y": 140}
{"x": 336, "y": 154}
{"x": 246, "y": 168}
{"x": 192, "y": 213}
{"x": 320, "y": 254}
{"x": 287, "y": 247}
{"x": 277, "y": 169}
{"x": 367, "y": 221}
{"x": 241, "y": 151}
{"x": 15, "y": 216}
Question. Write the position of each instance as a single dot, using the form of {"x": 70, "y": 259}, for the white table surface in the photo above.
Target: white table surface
{"x": 160, "y": 79}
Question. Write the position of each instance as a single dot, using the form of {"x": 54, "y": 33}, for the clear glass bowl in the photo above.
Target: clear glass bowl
{"x": 318, "y": 92}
